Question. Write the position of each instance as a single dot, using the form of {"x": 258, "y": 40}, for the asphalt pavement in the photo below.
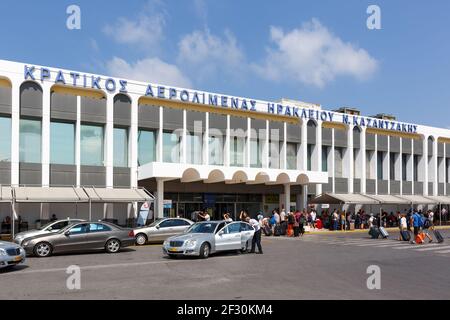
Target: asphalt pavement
{"x": 328, "y": 266}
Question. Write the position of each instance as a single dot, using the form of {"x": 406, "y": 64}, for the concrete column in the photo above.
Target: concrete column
{"x": 206, "y": 140}
{"x": 109, "y": 141}
{"x": 133, "y": 143}
{"x": 304, "y": 146}
{"x": 350, "y": 159}
{"x": 184, "y": 140}
{"x": 247, "y": 144}
{"x": 333, "y": 163}
{"x": 15, "y": 131}
{"x": 376, "y": 163}
{"x": 445, "y": 168}
{"x": 388, "y": 166}
{"x": 45, "y": 139}
{"x": 159, "y": 143}
{"x": 78, "y": 142}
{"x": 363, "y": 160}
{"x": 283, "y": 156}
{"x": 287, "y": 197}
{"x": 425, "y": 165}
{"x": 159, "y": 211}
{"x": 319, "y": 153}
{"x": 413, "y": 177}
{"x": 435, "y": 167}
{"x": 266, "y": 147}
{"x": 227, "y": 146}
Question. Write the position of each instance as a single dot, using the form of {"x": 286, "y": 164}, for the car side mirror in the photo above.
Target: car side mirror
{"x": 221, "y": 233}
{"x": 157, "y": 227}
{"x": 67, "y": 233}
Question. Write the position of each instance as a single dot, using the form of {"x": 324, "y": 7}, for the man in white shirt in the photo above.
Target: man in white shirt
{"x": 277, "y": 217}
{"x": 313, "y": 218}
{"x": 256, "y": 240}
{"x": 282, "y": 216}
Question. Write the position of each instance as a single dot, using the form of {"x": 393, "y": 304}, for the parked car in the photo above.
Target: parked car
{"x": 53, "y": 226}
{"x": 206, "y": 237}
{"x": 80, "y": 237}
{"x": 161, "y": 229}
{"x": 11, "y": 254}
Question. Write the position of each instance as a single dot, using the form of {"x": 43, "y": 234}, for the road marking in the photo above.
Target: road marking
{"x": 445, "y": 251}
{"x": 410, "y": 246}
{"x": 436, "y": 247}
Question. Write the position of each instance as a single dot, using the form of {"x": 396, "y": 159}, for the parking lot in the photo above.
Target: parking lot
{"x": 332, "y": 266}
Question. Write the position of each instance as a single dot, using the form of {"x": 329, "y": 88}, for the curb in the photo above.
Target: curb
{"x": 363, "y": 230}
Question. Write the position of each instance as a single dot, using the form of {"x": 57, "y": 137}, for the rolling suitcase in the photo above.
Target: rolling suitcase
{"x": 420, "y": 238}
{"x": 438, "y": 236}
{"x": 383, "y": 232}
{"x": 267, "y": 231}
{"x": 374, "y": 232}
{"x": 405, "y": 235}
{"x": 277, "y": 231}
{"x": 283, "y": 228}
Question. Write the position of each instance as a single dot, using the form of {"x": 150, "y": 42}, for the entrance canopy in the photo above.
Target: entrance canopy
{"x": 335, "y": 198}
{"x": 440, "y": 199}
{"x": 418, "y": 199}
{"x": 389, "y": 199}
{"x": 49, "y": 195}
{"x": 117, "y": 195}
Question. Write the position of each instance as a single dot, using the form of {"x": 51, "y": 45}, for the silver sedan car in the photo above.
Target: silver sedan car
{"x": 204, "y": 238}
{"x": 11, "y": 254}
{"x": 53, "y": 226}
{"x": 161, "y": 229}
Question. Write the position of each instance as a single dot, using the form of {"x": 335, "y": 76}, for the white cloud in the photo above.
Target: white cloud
{"x": 148, "y": 70}
{"x": 146, "y": 30}
{"x": 209, "y": 54}
{"x": 313, "y": 55}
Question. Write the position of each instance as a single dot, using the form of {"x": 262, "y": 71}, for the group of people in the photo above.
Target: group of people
{"x": 420, "y": 222}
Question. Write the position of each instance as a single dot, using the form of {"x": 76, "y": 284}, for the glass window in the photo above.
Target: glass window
{"x": 171, "y": 147}
{"x": 98, "y": 227}
{"x": 216, "y": 150}
{"x": 237, "y": 151}
{"x": 392, "y": 159}
{"x": 291, "y": 155}
{"x": 194, "y": 148}
{"x": 369, "y": 155}
{"x": 120, "y": 147}
{"x": 58, "y": 226}
{"x": 234, "y": 228}
{"x": 91, "y": 145}
{"x": 404, "y": 166}
{"x": 416, "y": 168}
{"x": 380, "y": 165}
{"x": 324, "y": 158}
{"x": 146, "y": 146}
{"x": 5, "y": 139}
{"x": 30, "y": 141}
{"x": 309, "y": 151}
{"x": 180, "y": 223}
{"x": 79, "y": 229}
{"x": 62, "y": 143}
{"x": 166, "y": 224}
{"x": 255, "y": 153}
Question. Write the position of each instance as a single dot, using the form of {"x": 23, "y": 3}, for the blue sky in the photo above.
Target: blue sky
{"x": 314, "y": 51}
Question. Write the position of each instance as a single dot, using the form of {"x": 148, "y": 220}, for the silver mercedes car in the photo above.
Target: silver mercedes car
{"x": 11, "y": 254}
{"x": 206, "y": 237}
{"x": 51, "y": 227}
{"x": 161, "y": 229}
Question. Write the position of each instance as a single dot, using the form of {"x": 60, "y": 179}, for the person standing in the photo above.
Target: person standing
{"x": 297, "y": 216}
{"x": 403, "y": 226}
{"x": 227, "y": 217}
{"x": 256, "y": 240}
{"x": 313, "y": 218}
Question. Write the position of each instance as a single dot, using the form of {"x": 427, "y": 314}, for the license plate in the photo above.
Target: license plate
{"x": 172, "y": 250}
{"x": 17, "y": 259}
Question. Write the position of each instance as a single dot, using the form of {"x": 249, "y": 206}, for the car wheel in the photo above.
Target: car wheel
{"x": 112, "y": 246}
{"x": 204, "y": 250}
{"x": 43, "y": 249}
{"x": 141, "y": 239}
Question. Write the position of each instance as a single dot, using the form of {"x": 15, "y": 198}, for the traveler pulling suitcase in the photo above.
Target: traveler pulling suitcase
{"x": 384, "y": 233}
{"x": 405, "y": 235}
{"x": 438, "y": 236}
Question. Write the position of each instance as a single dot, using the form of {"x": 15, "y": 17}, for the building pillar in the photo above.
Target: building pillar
{"x": 287, "y": 197}
{"x": 401, "y": 165}
{"x": 133, "y": 144}
{"x": 159, "y": 142}
{"x": 159, "y": 210}
{"x": 227, "y": 144}
{"x": 283, "y": 154}
{"x": 388, "y": 166}
{"x": 333, "y": 163}
{"x": 319, "y": 154}
{"x": 15, "y": 131}
{"x": 45, "y": 139}
{"x": 375, "y": 155}
{"x": 109, "y": 140}
{"x": 425, "y": 165}
{"x": 184, "y": 141}
{"x": 413, "y": 176}
{"x": 304, "y": 146}
{"x": 435, "y": 167}
{"x": 78, "y": 142}
{"x": 205, "y": 142}
{"x": 362, "y": 150}
{"x": 350, "y": 159}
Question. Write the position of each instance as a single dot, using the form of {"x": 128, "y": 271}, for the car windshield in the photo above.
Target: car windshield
{"x": 202, "y": 228}
{"x": 154, "y": 223}
{"x": 46, "y": 225}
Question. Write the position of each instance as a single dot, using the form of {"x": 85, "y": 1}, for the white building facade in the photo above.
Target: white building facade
{"x": 195, "y": 149}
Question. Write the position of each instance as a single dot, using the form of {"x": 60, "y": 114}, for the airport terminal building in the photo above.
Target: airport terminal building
{"x": 78, "y": 144}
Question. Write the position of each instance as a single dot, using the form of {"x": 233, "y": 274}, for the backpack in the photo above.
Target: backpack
{"x": 426, "y": 223}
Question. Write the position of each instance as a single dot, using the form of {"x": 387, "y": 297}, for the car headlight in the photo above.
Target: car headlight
{"x": 166, "y": 243}
{"x": 190, "y": 243}
{"x": 25, "y": 243}
{"x": 2, "y": 252}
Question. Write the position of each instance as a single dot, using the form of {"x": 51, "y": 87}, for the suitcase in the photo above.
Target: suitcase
{"x": 374, "y": 232}
{"x": 277, "y": 231}
{"x": 267, "y": 231}
{"x": 352, "y": 226}
{"x": 296, "y": 231}
{"x": 284, "y": 228}
{"x": 405, "y": 235}
{"x": 438, "y": 236}
{"x": 383, "y": 232}
{"x": 420, "y": 238}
